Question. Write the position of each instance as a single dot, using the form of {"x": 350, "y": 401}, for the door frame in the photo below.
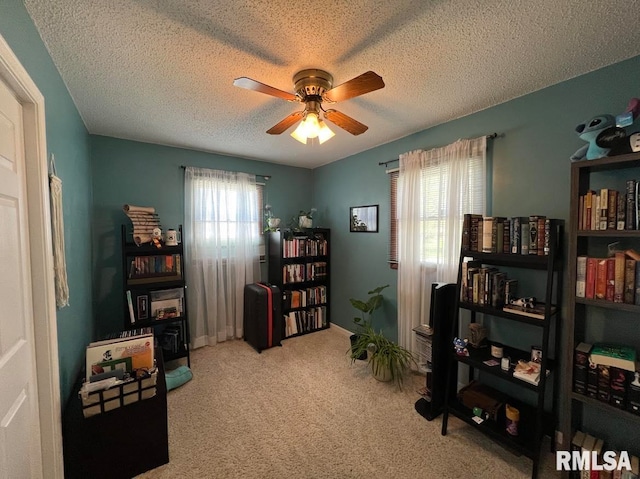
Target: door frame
{"x": 41, "y": 251}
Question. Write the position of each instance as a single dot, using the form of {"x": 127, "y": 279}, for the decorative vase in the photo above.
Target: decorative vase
{"x": 305, "y": 222}
{"x": 273, "y": 222}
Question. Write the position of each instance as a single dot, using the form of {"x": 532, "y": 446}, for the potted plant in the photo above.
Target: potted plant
{"x": 388, "y": 360}
{"x": 272, "y": 223}
{"x": 305, "y": 218}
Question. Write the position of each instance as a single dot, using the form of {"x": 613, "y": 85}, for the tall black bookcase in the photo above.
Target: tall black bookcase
{"x": 299, "y": 265}
{"x": 155, "y": 293}
{"x": 591, "y": 319}
{"x": 535, "y": 421}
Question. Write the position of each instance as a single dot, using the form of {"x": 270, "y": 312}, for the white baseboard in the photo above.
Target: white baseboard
{"x": 340, "y": 329}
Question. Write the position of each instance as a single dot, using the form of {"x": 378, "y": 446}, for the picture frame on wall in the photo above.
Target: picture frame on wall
{"x": 363, "y": 219}
{"x": 143, "y": 307}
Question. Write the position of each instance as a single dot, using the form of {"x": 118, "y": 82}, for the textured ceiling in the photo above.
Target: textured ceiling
{"x": 162, "y": 71}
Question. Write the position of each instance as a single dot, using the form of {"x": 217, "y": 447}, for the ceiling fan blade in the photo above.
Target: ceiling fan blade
{"x": 365, "y": 83}
{"x": 285, "y": 124}
{"x": 345, "y": 122}
{"x": 249, "y": 84}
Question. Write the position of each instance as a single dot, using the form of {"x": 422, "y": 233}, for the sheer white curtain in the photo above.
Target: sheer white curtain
{"x": 435, "y": 189}
{"x": 221, "y": 249}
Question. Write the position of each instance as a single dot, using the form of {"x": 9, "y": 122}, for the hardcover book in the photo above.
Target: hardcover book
{"x": 581, "y": 276}
{"x": 619, "y": 356}
{"x": 580, "y": 367}
{"x": 590, "y": 287}
{"x": 604, "y": 377}
{"x": 601, "y": 278}
{"x": 618, "y": 387}
{"x": 592, "y": 380}
{"x": 630, "y": 281}
{"x": 633, "y": 393}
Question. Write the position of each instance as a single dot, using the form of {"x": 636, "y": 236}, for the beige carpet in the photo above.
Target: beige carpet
{"x": 304, "y": 411}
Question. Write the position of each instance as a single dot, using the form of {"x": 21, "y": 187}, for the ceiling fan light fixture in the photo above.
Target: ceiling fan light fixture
{"x": 312, "y": 127}
{"x": 325, "y": 133}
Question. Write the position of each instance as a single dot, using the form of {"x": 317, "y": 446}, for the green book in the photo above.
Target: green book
{"x": 616, "y": 355}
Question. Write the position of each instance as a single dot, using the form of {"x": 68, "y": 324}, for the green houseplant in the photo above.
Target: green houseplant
{"x": 388, "y": 360}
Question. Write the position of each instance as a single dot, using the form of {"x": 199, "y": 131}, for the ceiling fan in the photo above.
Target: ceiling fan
{"x": 314, "y": 87}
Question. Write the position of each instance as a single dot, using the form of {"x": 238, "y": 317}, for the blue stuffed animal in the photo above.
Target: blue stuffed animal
{"x": 590, "y": 131}
{"x": 460, "y": 346}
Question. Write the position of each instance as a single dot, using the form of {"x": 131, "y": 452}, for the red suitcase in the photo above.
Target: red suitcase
{"x": 262, "y": 321}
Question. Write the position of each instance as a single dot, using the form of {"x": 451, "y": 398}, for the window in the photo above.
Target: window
{"x": 227, "y": 212}
{"x": 435, "y": 202}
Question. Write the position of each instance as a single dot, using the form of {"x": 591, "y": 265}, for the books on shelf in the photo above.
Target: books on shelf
{"x": 610, "y": 209}
{"x": 615, "y": 279}
{"x": 507, "y": 235}
{"x": 616, "y": 355}
{"x": 128, "y": 354}
{"x": 536, "y": 311}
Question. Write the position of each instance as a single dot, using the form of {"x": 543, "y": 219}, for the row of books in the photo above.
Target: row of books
{"x": 297, "y": 273}
{"x": 304, "y": 246}
{"x": 486, "y": 285}
{"x": 609, "y": 209}
{"x": 617, "y": 465}
{"x": 304, "y": 297}
{"x": 608, "y": 373}
{"x": 304, "y": 321}
{"x": 142, "y": 266}
{"x": 614, "y": 279}
{"x": 527, "y": 235}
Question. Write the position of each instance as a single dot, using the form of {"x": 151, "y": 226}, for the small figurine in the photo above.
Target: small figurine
{"x": 461, "y": 346}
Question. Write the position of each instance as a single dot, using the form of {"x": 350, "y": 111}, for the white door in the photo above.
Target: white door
{"x": 20, "y": 452}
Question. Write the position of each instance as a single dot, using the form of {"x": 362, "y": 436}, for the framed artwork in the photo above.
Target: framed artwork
{"x": 143, "y": 307}
{"x": 363, "y": 219}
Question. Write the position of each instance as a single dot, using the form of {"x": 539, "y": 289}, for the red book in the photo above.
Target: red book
{"x": 590, "y": 286}
{"x": 611, "y": 276}
{"x": 601, "y": 278}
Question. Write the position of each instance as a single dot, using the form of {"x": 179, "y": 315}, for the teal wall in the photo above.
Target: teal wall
{"x": 68, "y": 140}
{"x": 529, "y": 174}
{"x": 528, "y": 164}
{"x": 151, "y": 175}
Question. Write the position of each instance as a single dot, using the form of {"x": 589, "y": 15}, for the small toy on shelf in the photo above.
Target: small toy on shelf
{"x": 461, "y": 346}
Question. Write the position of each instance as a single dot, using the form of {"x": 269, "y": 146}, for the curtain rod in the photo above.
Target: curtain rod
{"x": 266, "y": 177}
{"x": 492, "y": 136}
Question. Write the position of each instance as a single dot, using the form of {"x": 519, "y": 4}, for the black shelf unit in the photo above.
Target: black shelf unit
{"x": 535, "y": 422}
{"x": 608, "y": 172}
{"x": 157, "y": 276}
{"x": 288, "y": 249}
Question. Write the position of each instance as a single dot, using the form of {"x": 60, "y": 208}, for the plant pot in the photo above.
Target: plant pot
{"x": 381, "y": 373}
{"x": 305, "y": 222}
{"x": 273, "y": 222}
{"x": 354, "y": 338}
